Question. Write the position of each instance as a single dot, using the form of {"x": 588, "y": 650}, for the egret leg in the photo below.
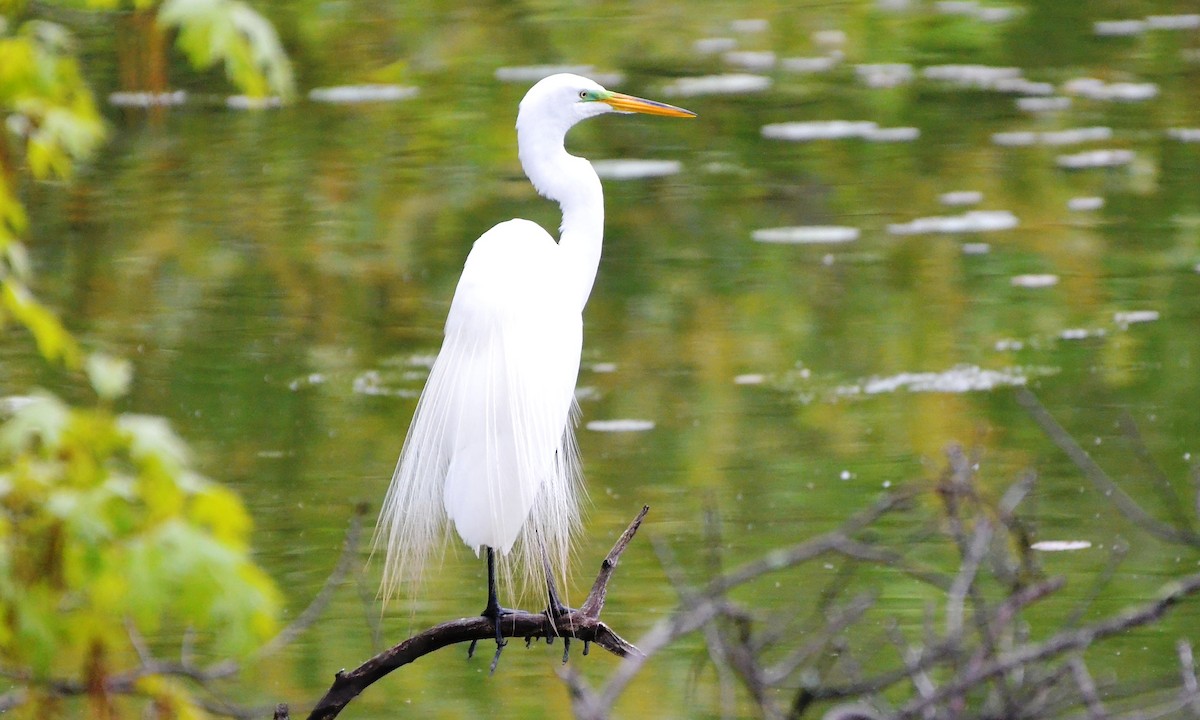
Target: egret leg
{"x": 555, "y": 608}
{"x": 493, "y": 611}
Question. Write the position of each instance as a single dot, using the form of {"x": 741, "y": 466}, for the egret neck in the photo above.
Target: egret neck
{"x": 573, "y": 184}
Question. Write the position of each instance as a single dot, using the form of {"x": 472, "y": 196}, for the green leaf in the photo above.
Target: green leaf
{"x": 110, "y": 376}
{"x": 228, "y": 31}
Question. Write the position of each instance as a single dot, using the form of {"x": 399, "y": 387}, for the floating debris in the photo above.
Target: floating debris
{"x": 1132, "y": 317}
{"x": 838, "y": 130}
{"x": 973, "y": 9}
{"x": 892, "y": 134}
{"x": 1085, "y": 204}
{"x": 1095, "y": 159}
{"x": 976, "y": 248}
{"x": 247, "y": 102}
{"x": 961, "y": 197}
{"x": 750, "y": 59}
{"x": 819, "y": 64}
{"x": 1060, "y": 545}
{"x": 807, "y": 234}
{"x": 348, "y": 94}
{"x": 728, "y": 84}
{"x": 532, "y": 73}
{"x": 147, "y": 99}
{"x": 310, "y": 380}
{"x": 1038, "y": 104}
{"x": 1173, "y": 22}
{"x": 1096, "y": 89}
{"x": 987, "y": 77}
{"x": 884, "y": 75}
{"x": 1188, "y": 135}
{"x": 371, "y": 383}
{"x": 973, "y": 221}
{"x": 750, "y": 25}
{"x": 1080, "y": 333}
{"x": 750, "y": 379}
{"x": 604, "y": 367}
{"x": 959, "y": 379}
{"x": 635, "y": 169}
{"x": 829, "y": 38}
{"x": 1009, "y": 345}
{"x": 1118, "y": 28}
{"x": 1043, "y": 280}
{"x": 619, "y": 426}
{"x": 1072, "y": 136}
{"x": 714, "y": 45}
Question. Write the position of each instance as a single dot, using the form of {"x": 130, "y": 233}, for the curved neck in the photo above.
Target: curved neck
{"x": 574, "y": 185}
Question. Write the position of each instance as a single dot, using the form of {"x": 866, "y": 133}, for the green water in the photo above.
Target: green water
{"x": 280, "y": 279}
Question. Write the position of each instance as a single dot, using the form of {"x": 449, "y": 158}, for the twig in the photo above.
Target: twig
{"x": 310, "y": 614}
{"x": 1126, "y": 505}
{"x": 1087, "y": 689}
{"x": 1170, "y": 498}
{"x": 582, "y": 624}
{"x": 1187, "y": 668}
{"x": 1063, "y": 642}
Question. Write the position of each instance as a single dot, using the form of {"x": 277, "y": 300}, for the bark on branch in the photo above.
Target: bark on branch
{"x": 581, "y": 624}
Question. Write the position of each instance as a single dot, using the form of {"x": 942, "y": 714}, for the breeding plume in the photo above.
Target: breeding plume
{"x": 491, "y": 447}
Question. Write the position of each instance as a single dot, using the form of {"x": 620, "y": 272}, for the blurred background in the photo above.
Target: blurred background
{"x": 886, "y": 216}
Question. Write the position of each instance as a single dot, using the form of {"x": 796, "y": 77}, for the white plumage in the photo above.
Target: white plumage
{"x": 491, "y": 447}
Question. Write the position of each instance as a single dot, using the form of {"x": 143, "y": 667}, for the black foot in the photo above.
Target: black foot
{"x": 492, "y": 611}
{"x": 555, "y": 611}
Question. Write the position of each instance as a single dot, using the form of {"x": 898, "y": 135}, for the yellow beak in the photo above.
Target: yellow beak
{"x": 630, "y": 104}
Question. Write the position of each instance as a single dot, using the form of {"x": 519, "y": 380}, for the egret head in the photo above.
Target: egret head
{"x": 559, "y": 101}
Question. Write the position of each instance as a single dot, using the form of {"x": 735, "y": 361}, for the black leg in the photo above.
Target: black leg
{"x": 493, "y": 611}
{"x": 555, "y": 608}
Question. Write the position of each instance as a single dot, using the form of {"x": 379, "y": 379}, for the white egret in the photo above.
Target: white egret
{"x": 491, "y": 447}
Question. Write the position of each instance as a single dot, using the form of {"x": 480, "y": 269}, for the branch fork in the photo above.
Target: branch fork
{"x": 582, "y": 623}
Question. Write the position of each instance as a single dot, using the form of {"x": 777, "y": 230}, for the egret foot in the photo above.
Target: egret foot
{"x": 555, "y": 611}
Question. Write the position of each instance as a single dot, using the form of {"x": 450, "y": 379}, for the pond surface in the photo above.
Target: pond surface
{"x": 885, "y": 217}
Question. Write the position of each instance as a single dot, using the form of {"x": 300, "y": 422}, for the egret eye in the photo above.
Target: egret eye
{"x": 583, "y": 94}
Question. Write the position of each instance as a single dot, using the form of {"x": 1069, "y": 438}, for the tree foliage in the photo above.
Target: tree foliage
{"x": 108, "y": 534}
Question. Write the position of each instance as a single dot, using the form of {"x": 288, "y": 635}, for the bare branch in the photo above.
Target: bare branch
{"x": 1063, "y": 642}
{"x": 310, "y": 614}
{"x": 1187, "y": 668}
{"x": 1126, "y": 505}
{"x": 1087, "y": 689}
{"x": 581, "y": 624}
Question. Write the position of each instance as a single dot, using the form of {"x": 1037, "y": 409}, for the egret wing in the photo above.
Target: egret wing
{"x": 491, "y": 446}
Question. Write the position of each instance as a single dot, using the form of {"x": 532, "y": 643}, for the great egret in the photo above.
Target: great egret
{"x": 491, "y": 446}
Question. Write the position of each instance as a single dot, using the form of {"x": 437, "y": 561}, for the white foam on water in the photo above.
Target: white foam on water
{"x": 620, "y": 426}
{"x": 726, "y": 84}
{"x": 147, "y": 99}
{"x": 247, "y": 102}
{"x": 630, "y": 169}
{"x": 1118, "y": 28}
{"x": 961, "y": 197}
{"x": 1096, "y": 89}
{"x": 1132, "y": 317}
{"x": 1095, "y": 159}
{"x": 819, "y": 64}
{"x": 1044, "y": 280}
{"x": 1085, "y": 204}
{"x": 750, "y": 59}
{"x": 959, "y": 379}
{"x": 1036, "y": 104}
{"x": 349, "y": 94}
{"x": 807, "y": 234}
{"x": 1060, "y": 545}
{"x": 714, "y": 45}
{"x": 974, "y": 221}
